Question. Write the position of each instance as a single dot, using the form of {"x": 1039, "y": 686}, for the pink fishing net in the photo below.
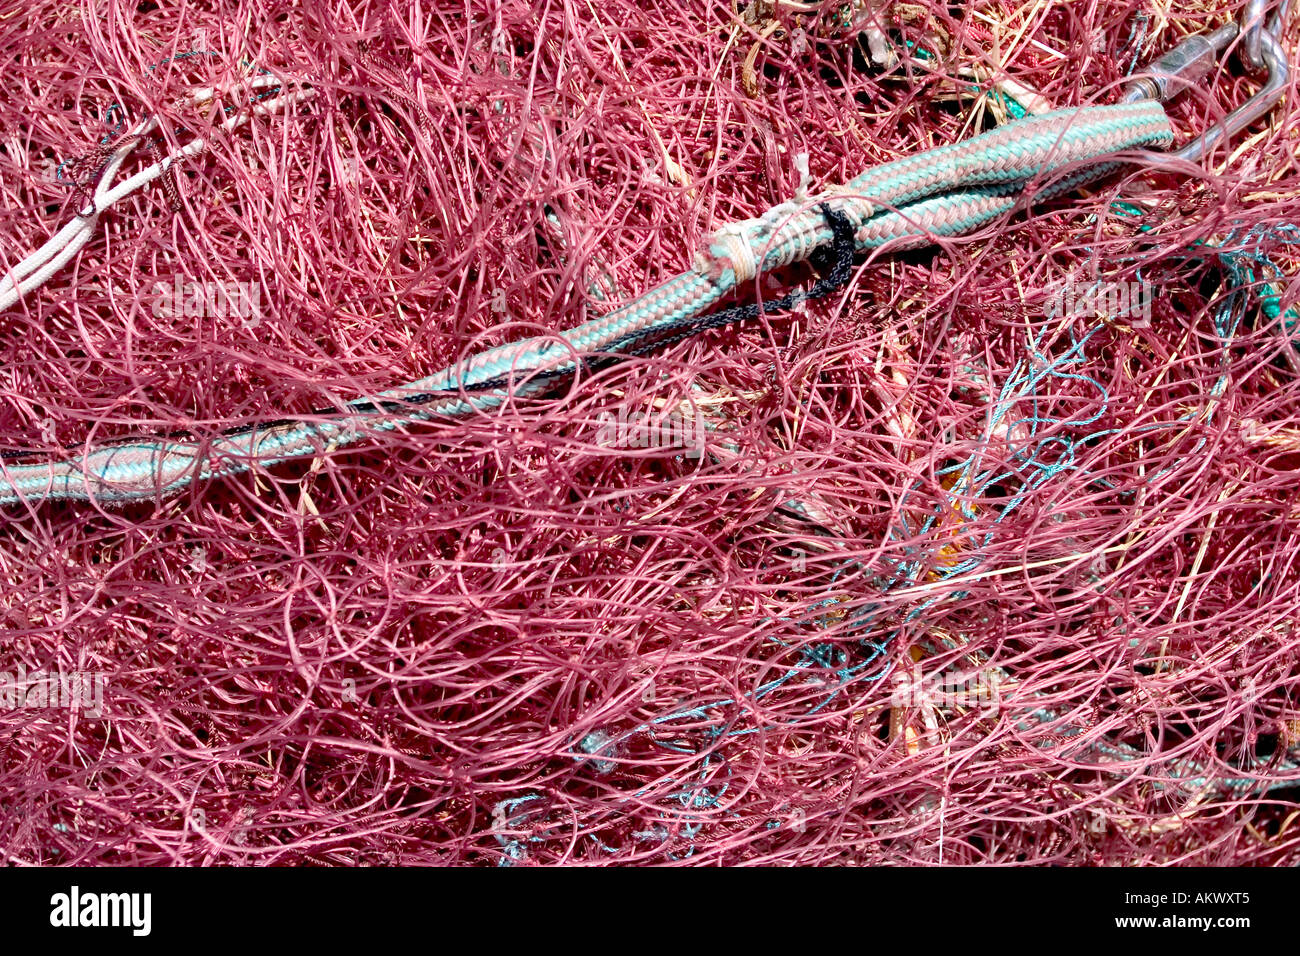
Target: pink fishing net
{"x": 988, "y": 557}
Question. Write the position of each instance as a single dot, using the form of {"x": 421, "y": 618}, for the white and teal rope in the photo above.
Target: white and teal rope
{"x": 941, "y": 192}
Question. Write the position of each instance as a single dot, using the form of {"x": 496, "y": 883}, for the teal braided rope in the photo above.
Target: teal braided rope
{"x": 938, "y": 193}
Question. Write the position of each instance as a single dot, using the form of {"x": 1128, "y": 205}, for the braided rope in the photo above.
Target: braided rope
{"x": 941, "y": 192}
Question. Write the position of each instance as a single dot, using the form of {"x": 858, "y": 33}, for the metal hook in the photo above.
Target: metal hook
{"x": 1252, "y": 28}
{"x": 1198, "y": 55}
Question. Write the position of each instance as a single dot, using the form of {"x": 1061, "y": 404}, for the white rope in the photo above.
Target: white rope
{"x": 38, "y": 268}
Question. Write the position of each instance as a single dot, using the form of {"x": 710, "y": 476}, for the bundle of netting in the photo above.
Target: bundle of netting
{"x": 526, "y": 432}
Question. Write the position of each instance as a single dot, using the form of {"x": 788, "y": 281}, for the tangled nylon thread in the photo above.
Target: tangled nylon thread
{"x": 955, "y": 580}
